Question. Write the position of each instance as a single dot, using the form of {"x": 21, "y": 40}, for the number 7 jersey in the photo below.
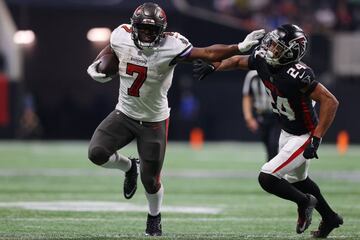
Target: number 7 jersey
{"x": 146, "y": 75}
{"x": 289, "y": 87}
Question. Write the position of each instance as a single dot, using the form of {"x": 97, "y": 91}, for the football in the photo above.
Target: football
{"x": 109, "y": 64}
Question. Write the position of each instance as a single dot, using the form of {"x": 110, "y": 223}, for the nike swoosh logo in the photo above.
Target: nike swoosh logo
{"x": 301, "y": 76}
{"x": 131, "y": 193}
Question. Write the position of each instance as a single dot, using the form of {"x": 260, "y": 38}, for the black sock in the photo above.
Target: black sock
{"x": 282, "y": 189}
{"x": 308, "y": 186}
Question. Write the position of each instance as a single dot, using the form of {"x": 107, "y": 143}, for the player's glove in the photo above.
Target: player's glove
{"x": 94, "y": 74}
{"x": 201, "y": 69}
{"x": 250, "y": 40}
{"x": 312, "y": 147}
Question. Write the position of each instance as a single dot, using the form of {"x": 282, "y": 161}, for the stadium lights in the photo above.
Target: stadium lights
{"x": 99, "y": 34}
{"x": 24, "y": 37}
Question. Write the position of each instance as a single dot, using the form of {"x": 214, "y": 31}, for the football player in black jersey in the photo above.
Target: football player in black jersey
{"x": 293, "y": 90}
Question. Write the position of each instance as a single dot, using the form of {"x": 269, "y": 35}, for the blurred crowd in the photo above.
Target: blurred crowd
{"x": 313, "y": 16}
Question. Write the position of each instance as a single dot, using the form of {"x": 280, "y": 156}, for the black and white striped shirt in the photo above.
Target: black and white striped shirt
{"x": 254, "y": 87}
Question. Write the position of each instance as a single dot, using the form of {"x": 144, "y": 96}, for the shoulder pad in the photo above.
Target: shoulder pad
{"x": 304, "y": 76}
{"x": 126, "y": 27}
{"x": 176, "y": 37}
{"x": 120, "y": 34}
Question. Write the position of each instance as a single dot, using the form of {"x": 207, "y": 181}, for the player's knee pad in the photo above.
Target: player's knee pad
{"x": 151, "y": 183}
{"x": 98, "y": 155}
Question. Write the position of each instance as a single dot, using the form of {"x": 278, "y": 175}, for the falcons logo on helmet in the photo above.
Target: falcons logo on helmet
{"x": 300, "y": 45}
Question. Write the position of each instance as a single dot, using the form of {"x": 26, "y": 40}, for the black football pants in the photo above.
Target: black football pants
{"x": 117, "y": 130}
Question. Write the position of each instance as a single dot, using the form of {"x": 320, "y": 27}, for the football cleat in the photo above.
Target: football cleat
{"x": 153, "y": 225}
{"x": 305, "y": 214}
{"x": 130, "y": 182}
{"x": 327, "y": 225}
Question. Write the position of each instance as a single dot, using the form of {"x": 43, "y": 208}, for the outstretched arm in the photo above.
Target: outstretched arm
{"x": 201, "y": 68}
{"x": 219, "y": 52}
{"x": 213, "y": 53}
{"x": 235, "y": 62}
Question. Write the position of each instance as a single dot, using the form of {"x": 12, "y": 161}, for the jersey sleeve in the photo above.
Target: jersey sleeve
{"x": 181, "y": 47}
{"x": 307, "y": 82}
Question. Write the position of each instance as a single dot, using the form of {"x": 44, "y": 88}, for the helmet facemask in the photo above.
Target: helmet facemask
{"x": 278, "y": 52}
{"x": 148, "y": 25}
{"x": 146, "y": 35}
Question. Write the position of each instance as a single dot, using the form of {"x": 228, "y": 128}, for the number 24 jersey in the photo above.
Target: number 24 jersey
{"x": 289, "y": 87}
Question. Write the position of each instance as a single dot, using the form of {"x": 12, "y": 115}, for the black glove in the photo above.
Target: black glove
{"x": 201, "y": 69}
{"x": 312, "y": 147}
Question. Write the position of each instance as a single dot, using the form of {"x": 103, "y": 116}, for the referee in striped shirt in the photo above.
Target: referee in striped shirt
{"x": 255, "y": 99}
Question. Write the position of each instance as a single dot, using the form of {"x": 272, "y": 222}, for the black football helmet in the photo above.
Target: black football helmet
{"x": 284, "y": 45}
{"x": 148, "y": 25}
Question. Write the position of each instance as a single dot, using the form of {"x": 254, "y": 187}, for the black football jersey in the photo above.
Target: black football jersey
{"x": 289, "y": 86}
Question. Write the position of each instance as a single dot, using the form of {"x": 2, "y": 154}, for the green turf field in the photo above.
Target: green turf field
{"x": 51, "y": 191}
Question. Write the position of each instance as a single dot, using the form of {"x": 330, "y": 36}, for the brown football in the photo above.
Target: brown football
{"x": 109, "y": 64}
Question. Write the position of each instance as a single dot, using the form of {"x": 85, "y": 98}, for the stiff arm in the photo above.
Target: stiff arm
{"x": 233, "y": 63}
{"x": 218, "y": 52}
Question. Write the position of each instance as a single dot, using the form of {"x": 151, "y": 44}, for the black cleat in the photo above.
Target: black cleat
{"x": 153, "y": 225}
{"x": 130, "y": 182}
{"x": 327, "y": 225}
{"x": 305, "y": 214}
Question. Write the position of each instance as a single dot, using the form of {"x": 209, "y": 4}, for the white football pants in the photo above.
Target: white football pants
{"x": 289, "y": 163}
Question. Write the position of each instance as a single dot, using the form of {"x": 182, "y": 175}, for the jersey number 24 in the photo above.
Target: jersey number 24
{"x": 281, "y": 106}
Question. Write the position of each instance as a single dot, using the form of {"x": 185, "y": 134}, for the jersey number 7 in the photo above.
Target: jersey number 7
{"x": 139, "y": 80}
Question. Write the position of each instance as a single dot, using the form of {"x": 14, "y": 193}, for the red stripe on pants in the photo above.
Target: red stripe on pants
{"x": 293, "y": 156}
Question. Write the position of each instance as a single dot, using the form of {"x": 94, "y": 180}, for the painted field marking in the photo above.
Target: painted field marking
{"x": 98, "y": 206}
{"x": 351, "y": 176}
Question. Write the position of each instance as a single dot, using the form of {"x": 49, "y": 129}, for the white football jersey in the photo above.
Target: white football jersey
{"x": 146, "y": 75}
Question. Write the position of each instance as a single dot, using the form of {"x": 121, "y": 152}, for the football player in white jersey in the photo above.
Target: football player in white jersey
{"x": 147, "y": 57}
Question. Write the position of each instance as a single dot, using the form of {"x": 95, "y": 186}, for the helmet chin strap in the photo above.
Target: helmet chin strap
{"x": 137, "y": 44}
{"x": 270, "y": 54}
{"x": 143, "y": 45}
{"x": 146, "y": 45}
{"x": 269, "y": 57}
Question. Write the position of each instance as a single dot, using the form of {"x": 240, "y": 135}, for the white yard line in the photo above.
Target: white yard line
{"x": 167, "y": 219}
{"x": 97, "y": 206}
{"x": 352, "y": 176}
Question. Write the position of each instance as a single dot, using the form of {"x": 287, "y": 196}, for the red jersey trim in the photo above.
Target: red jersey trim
{"x": 307, "y": 116}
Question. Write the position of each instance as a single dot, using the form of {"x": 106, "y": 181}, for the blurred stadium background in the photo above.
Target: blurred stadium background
{"x": 46, "y": 96}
